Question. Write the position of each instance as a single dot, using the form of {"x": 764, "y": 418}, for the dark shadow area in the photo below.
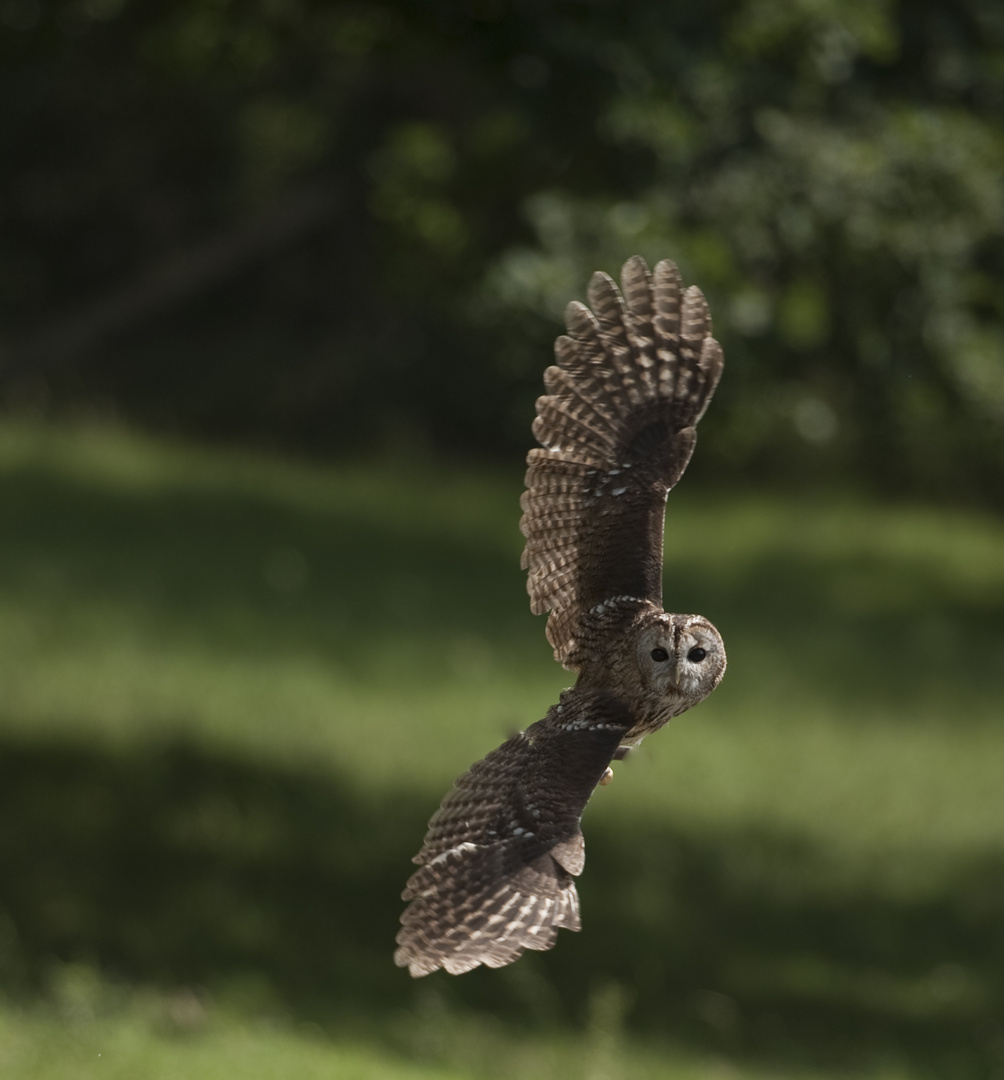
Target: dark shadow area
{"x": 175, "y": 866}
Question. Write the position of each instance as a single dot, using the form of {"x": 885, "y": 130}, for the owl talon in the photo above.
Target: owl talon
{"x": 606, "y": 777}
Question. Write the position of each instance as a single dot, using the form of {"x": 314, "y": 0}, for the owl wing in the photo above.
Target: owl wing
{"x": 617, "y": 428}
{"x": 497, "y": 865}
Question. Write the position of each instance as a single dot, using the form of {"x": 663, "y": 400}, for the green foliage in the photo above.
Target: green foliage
{"x": 828, "y": 172}
{"x": 234, "y": 689}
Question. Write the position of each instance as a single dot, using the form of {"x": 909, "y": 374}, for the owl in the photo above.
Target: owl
{"x": 617, "y": 427}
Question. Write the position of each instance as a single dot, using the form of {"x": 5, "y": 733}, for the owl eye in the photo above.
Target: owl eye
{"x": 696, "y": 654}
{"x": 660, "y": 655}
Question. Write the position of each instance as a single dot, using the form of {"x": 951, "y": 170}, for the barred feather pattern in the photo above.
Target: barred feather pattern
{"x": 499, "y": 859}
{"x": 617, "y": 428}
{"x": 633, "y": 376}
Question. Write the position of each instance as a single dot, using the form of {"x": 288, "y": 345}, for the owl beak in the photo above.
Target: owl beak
{"x": 678, "y": 674}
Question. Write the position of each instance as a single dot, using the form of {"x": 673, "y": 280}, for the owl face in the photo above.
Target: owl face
{"x": 681, "y": 657}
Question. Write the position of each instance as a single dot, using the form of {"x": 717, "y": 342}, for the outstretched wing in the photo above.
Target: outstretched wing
{"x": 497, "y": 865}
{"x": 617, "y": 427}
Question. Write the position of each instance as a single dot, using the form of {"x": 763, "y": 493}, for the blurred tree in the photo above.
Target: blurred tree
{"x": 352, "y": 226}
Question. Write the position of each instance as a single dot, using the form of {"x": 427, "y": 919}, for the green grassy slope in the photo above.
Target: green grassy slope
{"x": 232, "y": 690}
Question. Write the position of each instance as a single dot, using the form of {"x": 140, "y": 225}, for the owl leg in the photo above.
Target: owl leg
{"x": 619, "y": 755}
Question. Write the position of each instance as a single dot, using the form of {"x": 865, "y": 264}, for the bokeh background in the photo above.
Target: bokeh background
{"x": 278, "y": 280}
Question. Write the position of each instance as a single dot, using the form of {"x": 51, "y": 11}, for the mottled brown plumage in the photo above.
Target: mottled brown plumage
{"x": 617, "y": 429}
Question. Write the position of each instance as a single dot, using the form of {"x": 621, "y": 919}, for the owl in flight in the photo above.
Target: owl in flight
{"x": 617, "y": 427}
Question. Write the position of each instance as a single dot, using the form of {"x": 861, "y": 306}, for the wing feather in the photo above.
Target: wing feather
{"x": 497, "y": 866}
{"x": 633, "y": 376}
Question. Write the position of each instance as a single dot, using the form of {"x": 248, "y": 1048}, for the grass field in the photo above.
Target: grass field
{"x": 233, "y": 689}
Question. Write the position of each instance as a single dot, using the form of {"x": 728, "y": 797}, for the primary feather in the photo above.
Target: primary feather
{"x": 617, "y": 429}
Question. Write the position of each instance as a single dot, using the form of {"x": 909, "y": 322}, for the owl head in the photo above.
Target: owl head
{"x": 681, "y": 657}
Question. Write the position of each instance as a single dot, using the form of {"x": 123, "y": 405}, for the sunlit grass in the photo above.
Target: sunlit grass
{"x": 156, "y": 1037}
{"x": 96, "y": 1031}
{"x": 400, "y": 669}
{"x": 812, "y": 858}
